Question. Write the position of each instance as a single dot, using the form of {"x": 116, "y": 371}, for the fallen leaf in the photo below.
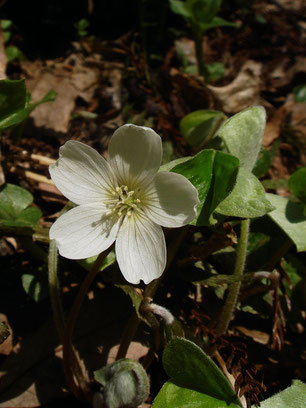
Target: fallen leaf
{"x": 243, "y": 91}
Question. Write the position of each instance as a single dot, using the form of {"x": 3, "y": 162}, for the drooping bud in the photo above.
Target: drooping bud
{"x": 124, "y": 384}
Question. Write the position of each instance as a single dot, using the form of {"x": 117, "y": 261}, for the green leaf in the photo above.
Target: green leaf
{"x": 181, "y": 8}
{"x": 88, "y": 262}
{"x": 13, "y": 53}
{"x": 200, "y": 126}
{"x": 135, "y": 296}
{"x": 216, "y": 22}
{"x": 242, "y": 135}
{"x": 299, "y": 93}
{"x": 263, "y": 163}
{"x": 290, "y": 218}
{"x": 294, "y": 396}
{"x": 14, "y": 207}
{"x": 213, "y": 174}
{"x": 297, "y": 184}
{"x": 174, "y": 396}
{"x": 17, "y": 113}
{"x": 189, "y": 367}
{"x": 6, "y": 24}
{"x": 247, "y": 200}
{"x": 12, "y": 97}
{"x": 169, "y": 166}
{"x": 35, "y": 284}
{"x": 215, "y": 70}
{"x": 203, "y": 11}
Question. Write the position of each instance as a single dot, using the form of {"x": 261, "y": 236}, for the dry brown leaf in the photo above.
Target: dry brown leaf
{"x": 256, "y": 335}
{"x": 3, "y": 58}
{"x": 70, "y": 79}
{"x": 243, "y": 91}
{"x": 274, "y": 126}
{"x": 7, "y": 346}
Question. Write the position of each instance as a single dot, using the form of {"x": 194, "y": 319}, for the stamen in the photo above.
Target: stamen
{"x": 124, "y": 201}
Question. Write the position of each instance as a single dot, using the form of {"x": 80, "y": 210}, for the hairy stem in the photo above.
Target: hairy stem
{"x": 234, "y": 288}
{"x": 56, "y": 304}
{"x": 70, "y": 360}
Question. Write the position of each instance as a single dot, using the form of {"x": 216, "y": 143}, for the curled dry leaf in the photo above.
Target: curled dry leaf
{"x": 243, "y": 91}
{"x": 69, "y": 79}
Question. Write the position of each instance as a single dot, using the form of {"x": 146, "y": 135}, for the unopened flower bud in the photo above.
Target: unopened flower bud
{"x": 124, "y": 384}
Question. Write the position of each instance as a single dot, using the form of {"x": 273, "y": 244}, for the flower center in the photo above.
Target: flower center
{"x": 124, "y": 202}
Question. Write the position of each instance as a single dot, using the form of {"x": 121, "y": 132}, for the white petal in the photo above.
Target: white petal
{"x": 81, "y": 173}
{"x": 134, "y": 154}
{"x": 140, "y": 249}
{"x": 172, "y": 200}
{"x": 84, "y": 231}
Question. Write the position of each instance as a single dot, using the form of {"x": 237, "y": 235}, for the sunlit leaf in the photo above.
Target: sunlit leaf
{"x": 188, "y": 366}
{"x": 174, "y": 396}
{"x": 200, "y": 126}
{"x": 214, "y": 175}
{"x": 294, "y": 396}
{"x": 242, "y": 135}
{"x": 290, "y": 218}
{"x": 247, "y": 200}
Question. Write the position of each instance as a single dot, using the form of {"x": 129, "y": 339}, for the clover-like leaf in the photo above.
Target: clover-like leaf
{"x": 199, "y": 126}
{"x": 290, "y": 218}
{"x": 294, "y": 396}
{"x": 14, "y": 207}
{"x": 242, "y": 135}
{"x": 247, "y": 200}
{"x": 213, "y": 173}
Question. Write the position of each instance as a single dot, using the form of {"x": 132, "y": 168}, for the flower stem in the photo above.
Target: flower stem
{"x": 57, "y": 309}
{"x": 199, "y": 55}
{"x": 70, "y": 360}
{"x": 234, "y": 288}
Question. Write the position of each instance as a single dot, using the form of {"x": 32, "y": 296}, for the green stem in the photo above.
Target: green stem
{"x": 199, "y": 55}
{"x": 56, "y": 304}
{"x": 234, "y": 288}
{"x": 150, "y": 291}
{"x": 70, "y": 360}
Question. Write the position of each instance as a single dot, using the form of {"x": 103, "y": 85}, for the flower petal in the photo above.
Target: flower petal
{"x": 84, "y": 231}
{"x": 171, "y": 201}
{"x": 81, "y": 173}
{"x": 140, "y": 249}
{"x": 134, "y": 154}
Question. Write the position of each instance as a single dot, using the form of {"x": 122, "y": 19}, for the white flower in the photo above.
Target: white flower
{"x": 123, "y": 199}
